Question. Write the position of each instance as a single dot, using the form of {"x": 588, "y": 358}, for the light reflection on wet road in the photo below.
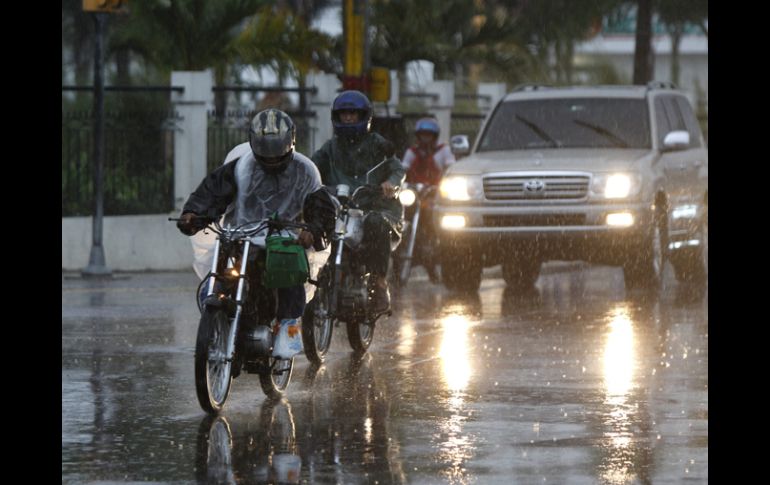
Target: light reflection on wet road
{"x": 575, "y": 382}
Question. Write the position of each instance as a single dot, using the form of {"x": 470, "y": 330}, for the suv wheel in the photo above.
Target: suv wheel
{"x": 460, "y": 268}
{"x": 644, "y": 269}
{"x": 521, "y": 273}
{"x": 691, "y": 263}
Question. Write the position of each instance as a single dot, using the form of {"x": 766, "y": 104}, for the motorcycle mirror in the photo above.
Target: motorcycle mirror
{"x": 374, "y": 168}
{"x": 460, "y": 145}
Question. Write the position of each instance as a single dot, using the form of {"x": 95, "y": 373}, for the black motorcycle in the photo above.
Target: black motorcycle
{"x": 241, "y": 285}
{"x": 345, "y": 287}
{"x": 418, "y": 247}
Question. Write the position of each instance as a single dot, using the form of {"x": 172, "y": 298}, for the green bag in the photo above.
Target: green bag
{"x": 286, "y": 264}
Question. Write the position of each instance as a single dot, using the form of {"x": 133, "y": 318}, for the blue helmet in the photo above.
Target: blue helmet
{"x": 356, "y": 101}
{"x": 429, "y": 125}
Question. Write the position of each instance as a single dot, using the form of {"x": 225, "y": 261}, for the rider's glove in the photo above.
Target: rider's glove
{"x": 186, "y": 224}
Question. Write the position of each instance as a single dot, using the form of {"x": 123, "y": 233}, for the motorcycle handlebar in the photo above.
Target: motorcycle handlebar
{"x": 270, "y": 223}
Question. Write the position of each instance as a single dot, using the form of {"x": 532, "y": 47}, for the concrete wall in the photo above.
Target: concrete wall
{"x": 131, "y": 243}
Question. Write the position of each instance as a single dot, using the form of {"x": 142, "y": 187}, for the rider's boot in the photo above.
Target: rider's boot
{"x": 287, "y": 340}
{"x": 381, "y": 294}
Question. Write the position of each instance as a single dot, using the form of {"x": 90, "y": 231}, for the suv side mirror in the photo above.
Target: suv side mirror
{"x": 676, "y": 140}
{"x": 460, "y": 145}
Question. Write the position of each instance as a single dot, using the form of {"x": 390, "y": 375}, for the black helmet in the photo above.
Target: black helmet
{"x": 352, "y": 101}
{"x": 272, "y": 137}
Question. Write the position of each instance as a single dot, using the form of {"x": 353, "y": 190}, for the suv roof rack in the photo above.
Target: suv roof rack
{"x": 531, "y": 87}
{"x": 660, "y": 85}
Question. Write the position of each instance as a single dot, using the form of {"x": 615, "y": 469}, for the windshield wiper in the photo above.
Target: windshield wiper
{"x": 618, "y": 141}
{"x": 539, "y": 131}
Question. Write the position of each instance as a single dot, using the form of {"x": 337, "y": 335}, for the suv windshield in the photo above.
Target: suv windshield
{"x": 568, "y": 123}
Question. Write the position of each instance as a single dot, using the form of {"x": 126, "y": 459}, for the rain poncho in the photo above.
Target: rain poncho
{"x": 346, "y": 161}
{"x": 244, "y": 192}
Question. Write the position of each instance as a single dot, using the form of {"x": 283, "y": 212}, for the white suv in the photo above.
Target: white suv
{"x": 608, "y": 174}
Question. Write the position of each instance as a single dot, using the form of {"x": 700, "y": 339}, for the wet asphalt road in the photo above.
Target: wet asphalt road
{"x": 575, "y": 383}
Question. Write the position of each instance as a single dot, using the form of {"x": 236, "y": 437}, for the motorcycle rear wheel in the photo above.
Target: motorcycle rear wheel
{"x": 360, "y": 335}
{"x": 213, "y": 371}
{"x": 276, "y": 376}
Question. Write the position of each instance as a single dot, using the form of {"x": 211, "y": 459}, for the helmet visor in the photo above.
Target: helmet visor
{"x": 275, "y": 162}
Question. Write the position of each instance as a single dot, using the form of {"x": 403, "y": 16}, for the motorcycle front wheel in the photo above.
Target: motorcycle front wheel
{"x": 276, "y": 376}
{"x": 402, "y": 259}
{"x": 317, "y": 326}
{"x": 213, "y": 371}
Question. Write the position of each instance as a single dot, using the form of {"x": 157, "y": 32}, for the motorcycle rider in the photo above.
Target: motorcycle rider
{"x": 253, "y": 184}
{"x": 345, "y": 159}
{"x": 425, "y": 162}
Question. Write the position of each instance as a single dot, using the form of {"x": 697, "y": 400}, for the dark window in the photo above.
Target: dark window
{"x": 690, "y": 121}
{"x": 568, "y": 123}
{"x": 661, "y": 120}
{"x": 675, "y": 121}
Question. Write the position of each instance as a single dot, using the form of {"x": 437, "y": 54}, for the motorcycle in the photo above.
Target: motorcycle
{"x": 345, "y": 289}
{"x": 223, "y": 347}
{"x": 419, "y": 240}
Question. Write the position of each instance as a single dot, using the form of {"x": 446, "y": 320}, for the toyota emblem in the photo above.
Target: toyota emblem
{"x": 534, "y": 186}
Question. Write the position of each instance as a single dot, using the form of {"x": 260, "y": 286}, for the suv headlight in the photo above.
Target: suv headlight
{"x": 461, "y": 187}
{"x": 615, "y": 185}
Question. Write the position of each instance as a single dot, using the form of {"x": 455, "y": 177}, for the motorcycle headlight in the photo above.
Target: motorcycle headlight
{"x": 615, "y": 185}
{"x": 461, "y": 188}
{"x": 407, "y": 197}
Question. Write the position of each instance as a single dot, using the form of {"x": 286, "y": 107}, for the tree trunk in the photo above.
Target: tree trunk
{"x": 675, "y": 31}
{"x": 643, "y": 66}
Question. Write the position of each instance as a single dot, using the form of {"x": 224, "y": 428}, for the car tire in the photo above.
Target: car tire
{"x": 644, "y": 267}
{"x": 691, "y": 263}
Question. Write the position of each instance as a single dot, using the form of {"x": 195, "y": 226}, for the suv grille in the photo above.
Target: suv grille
{"x": 525, "y": 220}
{"x": 555, "y": 187}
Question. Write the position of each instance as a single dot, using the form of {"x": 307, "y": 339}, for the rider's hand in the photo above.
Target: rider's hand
{"x": 306, "y": 239}
{"x": 186, "y": 224}
{"x": 388, "y": 189}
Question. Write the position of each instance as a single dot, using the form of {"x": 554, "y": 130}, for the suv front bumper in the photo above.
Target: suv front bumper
{"x": 556, "y": 232}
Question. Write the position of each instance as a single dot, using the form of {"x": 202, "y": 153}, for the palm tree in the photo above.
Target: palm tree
{"x": 186, "y": 34}
{"x": 452, "y": 35}
{"x": 280, "y": 38}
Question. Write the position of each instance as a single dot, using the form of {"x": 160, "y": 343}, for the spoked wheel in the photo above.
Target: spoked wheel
{"x": 403, "y": 258}
{"x": 213, "y": 371}
{"x": 360, "y": 334}
{"x": 317, "y": 326}
{"x": 276, "y": 376}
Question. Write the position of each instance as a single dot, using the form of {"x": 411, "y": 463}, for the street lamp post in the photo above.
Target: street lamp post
{"x": 96, "y": 263}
